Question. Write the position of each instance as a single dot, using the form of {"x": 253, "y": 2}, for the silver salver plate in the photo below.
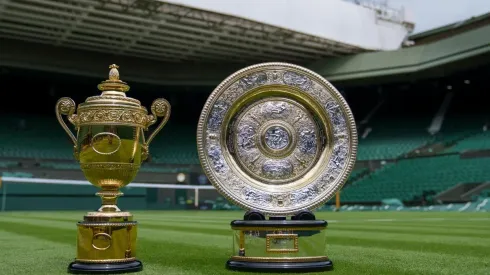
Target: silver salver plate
{"x": 277, "y": 138}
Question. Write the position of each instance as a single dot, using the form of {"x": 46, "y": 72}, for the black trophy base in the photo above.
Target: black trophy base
{"x": 110, "y": 268}
{"x": 280, "y": 267}
{"x": 255, "y": 219}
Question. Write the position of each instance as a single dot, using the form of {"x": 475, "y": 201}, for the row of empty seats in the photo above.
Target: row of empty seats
{"x": 357, "y": 173}
{"x": 144, "y": 168}
{"x": 42, "y": 138}
{"x": 457, "y": 128}
{"x": 389, "y": 139}
{"x": 480, "y": 141}
{"x": 7, "y": 163}
{"x": 35, "y": 137}
{"x": 17, "y": 174}
{"x": 409, "y": 178}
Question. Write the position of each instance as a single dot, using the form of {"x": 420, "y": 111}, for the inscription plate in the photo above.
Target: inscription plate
{"x": 282, "y": 243}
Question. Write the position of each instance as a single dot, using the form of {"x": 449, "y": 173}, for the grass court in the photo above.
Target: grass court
{"x": 193, "y": 242}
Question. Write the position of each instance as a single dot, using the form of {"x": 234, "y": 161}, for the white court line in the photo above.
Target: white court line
{"x": 479, "y": 219}
{"x": 380, "y": 220}
{"x": 84, "y": 182}
{"x": 197, "y": 218}
{"x": 407, "y": 220}
{"x": 434, "y": 219}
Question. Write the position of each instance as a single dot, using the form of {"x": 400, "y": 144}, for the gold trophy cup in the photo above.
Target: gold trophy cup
{"x": 110, "y": 145}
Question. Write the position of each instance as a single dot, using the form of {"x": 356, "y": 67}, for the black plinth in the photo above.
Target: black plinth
{"x": 280, "y": 267}
{"x": 112, "y": 268}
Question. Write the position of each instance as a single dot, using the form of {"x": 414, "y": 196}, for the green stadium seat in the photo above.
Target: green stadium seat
{"x": 17, "y": 174}
{"x": 411, "y": 177}
{"x": 144, "y": 168}
{"x": 40, "y": 137}
{"x": 8, "y": 163}
{"x": 479, "y": 141}
{"x": 60, "y": 165}
{"x": 43, "y": 138}
{"x": 458, "y": 127}
{"x": 390, "y": 139}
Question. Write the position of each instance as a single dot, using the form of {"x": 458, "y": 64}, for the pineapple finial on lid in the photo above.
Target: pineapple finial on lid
{"x": 113, "y": 83}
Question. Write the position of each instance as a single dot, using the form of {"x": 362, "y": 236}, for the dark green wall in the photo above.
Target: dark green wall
{"x": 26, "y": 196}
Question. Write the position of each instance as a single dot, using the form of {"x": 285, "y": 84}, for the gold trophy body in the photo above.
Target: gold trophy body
{"x": 110, "y": 145}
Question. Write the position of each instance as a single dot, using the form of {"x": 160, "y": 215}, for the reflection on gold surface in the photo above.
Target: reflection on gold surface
{"x": 101, "y": 241}
{"x": 280, "y": 260}
{"x": 106, "y": 240}
{"x": 110, "y": 146}
{"x": 279, "y": 242}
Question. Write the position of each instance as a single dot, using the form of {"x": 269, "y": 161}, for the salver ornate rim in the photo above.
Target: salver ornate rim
{"x": 350, "y": 124}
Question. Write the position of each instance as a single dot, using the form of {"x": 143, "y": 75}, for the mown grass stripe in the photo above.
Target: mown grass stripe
{"x": 320, "y": 214}
{"x": 460, "y": 223}
{"x": 219, "y": 228}
{"x": 176, "y": 230}
{"x": 346, "y": 217}
{"x": 165, "y": 229}
{"x": 186, "y": 258}
{"x": 400, "y": 261}
{"x": 195, "y": 237}
{"x": 447, "y": 228}
{"x": 410, "y": 237}
{"x": 444, "y": 248}
{"x": 201, "y": 237}
{"x": 415, "y": 216}
{"x": 444, "y": 225}
{"x": 147, "y": 248}
{"x": 181, "y": 249}
{"x": 417, "y": 231}
{"x": 24, "y": 254}
{"x": 140, "y": 218}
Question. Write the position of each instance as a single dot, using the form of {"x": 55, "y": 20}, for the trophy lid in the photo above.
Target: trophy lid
{"x": 112, "y": 106}
{"x": 277, "y": 138}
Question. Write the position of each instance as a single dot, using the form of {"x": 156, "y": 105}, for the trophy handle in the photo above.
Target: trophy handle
{"x": 66, "y": 106}
{"x": 159, "y": 108}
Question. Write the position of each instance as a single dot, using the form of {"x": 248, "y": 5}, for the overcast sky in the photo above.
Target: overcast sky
{"x": 429, "y": 14}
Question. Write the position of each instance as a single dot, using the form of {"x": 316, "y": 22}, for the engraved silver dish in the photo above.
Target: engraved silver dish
{"x": 277, "y": 138}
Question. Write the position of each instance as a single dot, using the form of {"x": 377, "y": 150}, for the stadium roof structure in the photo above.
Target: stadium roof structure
{"x": 450, "y": 29}
{"x": 467, "y": 49}
{"x": 160, "y": 43}
{"x": 159, "y": 31}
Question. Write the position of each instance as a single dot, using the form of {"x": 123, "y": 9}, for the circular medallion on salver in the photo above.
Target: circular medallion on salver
{"x": 277, "y": 138}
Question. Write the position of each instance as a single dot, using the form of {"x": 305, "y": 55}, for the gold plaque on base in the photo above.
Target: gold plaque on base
{"x": 279, "y": 141}
{"x": 110, "y": 145}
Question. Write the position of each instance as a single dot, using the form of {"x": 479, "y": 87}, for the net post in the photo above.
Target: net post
{"x": 196, "y": 197}
{"x": 337, "y": 200}
{"x": 4, "y": 194}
